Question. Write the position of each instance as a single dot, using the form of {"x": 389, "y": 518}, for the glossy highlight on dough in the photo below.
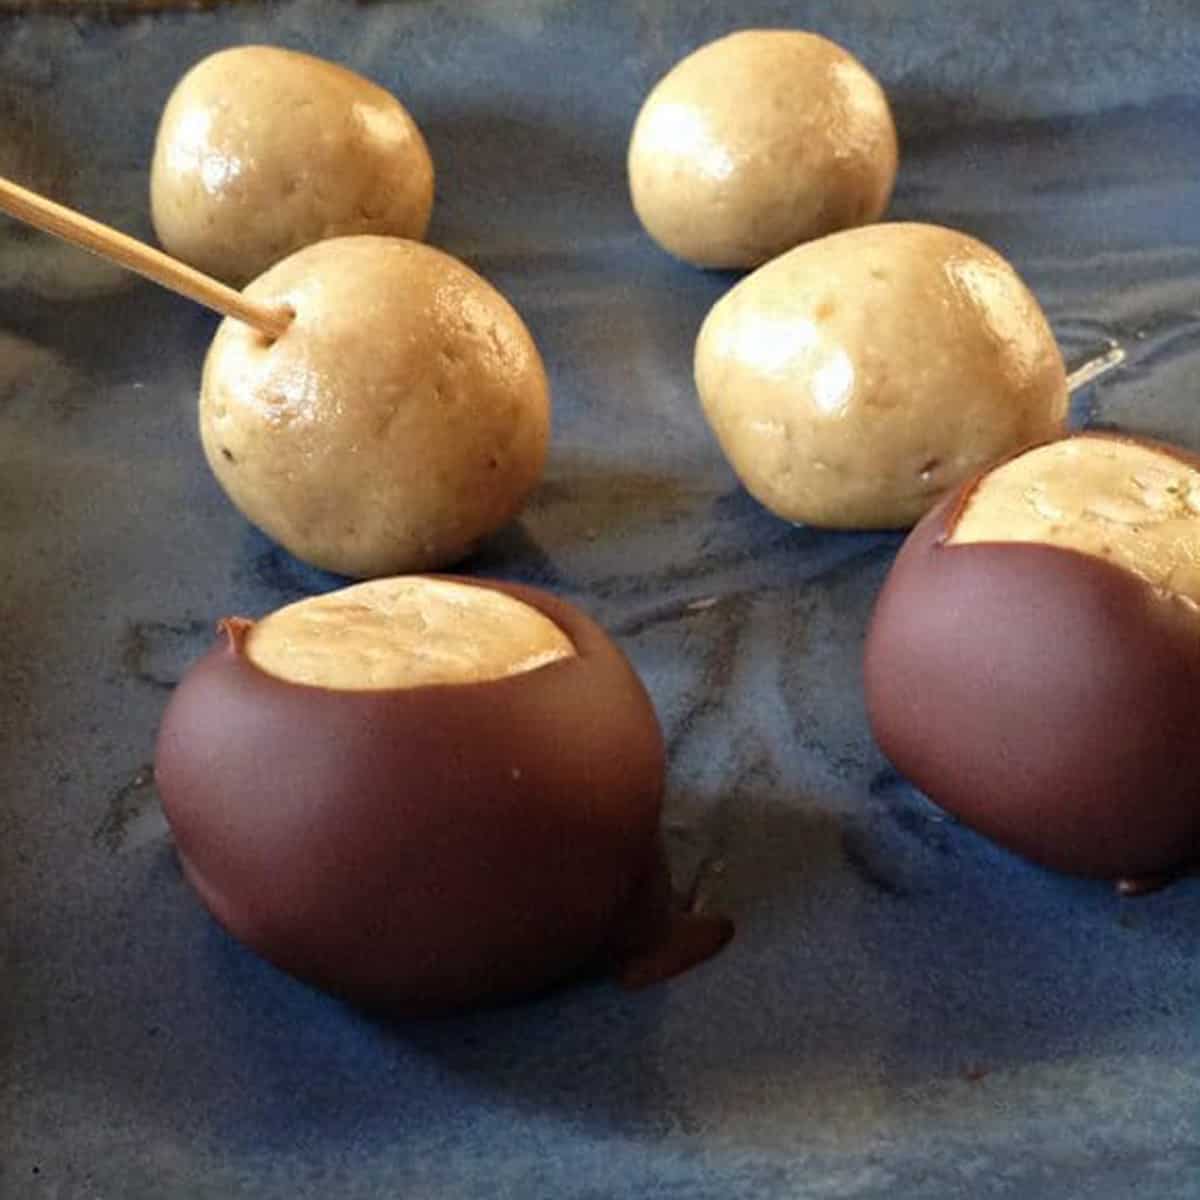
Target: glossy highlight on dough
{"x": 262, "y": 151}
{"x": 854, "y": 380}
{"x": 401, "y": 418}
{"x": 757, "y": 142}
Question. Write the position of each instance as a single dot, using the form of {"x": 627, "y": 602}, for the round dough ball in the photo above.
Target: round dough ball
{"x": 757, "y": 142}
{"x": 853, "y": 381}
{"x": 262, "y": 151}
{"x": 403, "y": 415}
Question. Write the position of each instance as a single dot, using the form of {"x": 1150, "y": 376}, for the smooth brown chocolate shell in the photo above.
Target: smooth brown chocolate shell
{"x": 1046, "y": 698}
{"x": 421, "y": 850}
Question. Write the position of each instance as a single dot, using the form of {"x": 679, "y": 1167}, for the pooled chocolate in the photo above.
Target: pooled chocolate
{"x": 419, "y": 849}
{"x": 1044, "y": 691}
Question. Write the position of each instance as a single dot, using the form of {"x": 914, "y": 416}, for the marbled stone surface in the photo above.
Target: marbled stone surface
{"x": 906, "y": 1012}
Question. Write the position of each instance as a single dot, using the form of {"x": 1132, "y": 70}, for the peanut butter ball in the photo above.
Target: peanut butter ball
{"x": 402, "y": 416}
{"x": 757, "y": 142}
{"x": 853, "y": 381}
{"x": 262, "y": 151}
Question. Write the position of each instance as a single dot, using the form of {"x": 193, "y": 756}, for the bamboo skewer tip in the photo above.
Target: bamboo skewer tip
{"x": 57, "y": 219}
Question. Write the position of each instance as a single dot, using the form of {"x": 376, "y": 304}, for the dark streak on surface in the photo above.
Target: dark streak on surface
{"x": 717, "y": 673}
{"x": 926, "y": 828}
{"x": 862, "y": 550}
{"x": 148, "y": 643}
{"x": 125, "y": 806}
{"x": 884, "y": 781}
{"x": 861, "y": 859}
{"x": 911, "y": 812}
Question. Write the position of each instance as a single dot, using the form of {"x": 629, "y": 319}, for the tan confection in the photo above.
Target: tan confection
{"x": 261, "y": 151}
{"x": 854, "y": 380}
{"x": 410, "y": 631}
{"x": 403, "y": 416}
{"x": 1124, "y": 501}
{"x": 757, "y": 142}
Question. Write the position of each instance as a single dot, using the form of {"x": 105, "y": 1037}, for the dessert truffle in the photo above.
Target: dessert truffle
{"x": 855, "y": 380}
{"x": 401, "y": 417}
{"x": 757, "y": 142}
{"x": 427, "y": 793}
{"x": 1033, "y": 660}
{"x": 262, "y": 151}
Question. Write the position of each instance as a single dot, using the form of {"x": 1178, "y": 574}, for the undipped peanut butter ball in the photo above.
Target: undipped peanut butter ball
{"x": 401, "y": 417}
{"x": 757, "y": 142}
{"x": 261, "y": 151}
{"x": 854, "y": 380}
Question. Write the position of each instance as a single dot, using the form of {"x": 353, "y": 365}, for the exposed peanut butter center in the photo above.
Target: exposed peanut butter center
{"x": 1130, "y": 504}
{"x": 405, "y": 632}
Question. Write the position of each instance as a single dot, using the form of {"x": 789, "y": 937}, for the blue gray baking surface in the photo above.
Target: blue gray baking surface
{"x": 905, "y": 1011}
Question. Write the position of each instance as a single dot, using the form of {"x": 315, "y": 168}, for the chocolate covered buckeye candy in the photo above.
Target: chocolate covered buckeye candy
{"x": 426, "y": 793}
{"x": 1033, "y": 661}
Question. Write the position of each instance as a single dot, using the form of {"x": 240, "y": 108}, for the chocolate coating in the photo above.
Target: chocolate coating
{"x": 423, "y": 849}
{"x": 1045, "y": 697}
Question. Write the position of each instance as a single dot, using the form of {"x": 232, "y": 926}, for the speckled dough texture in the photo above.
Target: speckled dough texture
{"x": 406, "y": 631}
{"x": 1109, "y": 497}
{"x": 262, "y": 151}
{"x": 757, "y": 142}
{"x": 907, "y": 1012}
{"x": 403, "y": 415}
{"x": 853, "y": 380}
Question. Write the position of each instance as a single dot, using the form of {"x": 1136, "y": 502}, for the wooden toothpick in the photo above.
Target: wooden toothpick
{"x": 128, "y": 252}
{"x": 1091, "y": 370}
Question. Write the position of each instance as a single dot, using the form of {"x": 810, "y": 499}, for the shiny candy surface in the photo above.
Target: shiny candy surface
{"x": 425, "y": 849}
{"x": 1041, "y": 688}
{"x": 855, "y": 379}
{"x": 757, "y": 142}
{"x": 401, "y": 417}
{"x": 262, "y": 150}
